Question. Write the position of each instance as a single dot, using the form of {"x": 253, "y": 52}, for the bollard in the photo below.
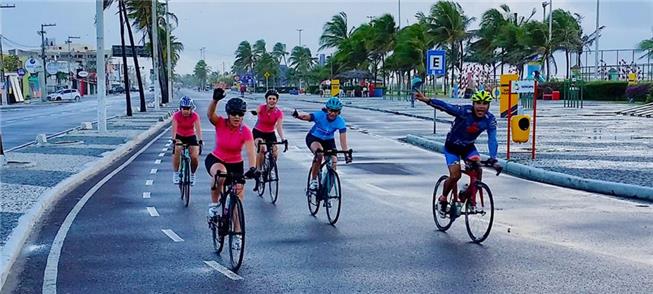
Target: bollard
{"x": 41, "y": 139}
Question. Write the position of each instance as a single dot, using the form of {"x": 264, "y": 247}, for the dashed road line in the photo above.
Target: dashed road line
{"x": 152, "y": 211}
{"x": 225, "y": 271}
{"x": 149, "y": 182}
{"x": 158, "y": 161}
{"x": 153, "y": 171}
{"x": 170, "y": 233}
{"x": 146, "y": 195}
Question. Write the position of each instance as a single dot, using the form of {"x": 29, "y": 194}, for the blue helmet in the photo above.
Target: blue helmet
{"x": 333, "y": 103}
{"x": 186, "y": 102}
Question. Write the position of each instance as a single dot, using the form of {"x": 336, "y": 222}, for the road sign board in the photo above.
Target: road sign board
{"x": 266, "y": 74}
{"x": 21, "y": 72}
{"x": 82, "y": 74}
{"x": 436, "y": 62}
{"x": 52, "y": 67}
{"x": 32, "y": 65}
{"x": 522, "y": 86}
{"x": 116, "y": 51}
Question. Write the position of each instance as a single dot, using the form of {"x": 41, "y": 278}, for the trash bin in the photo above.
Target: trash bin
{"x": 520, "y": 128}
{"x": 378, "y": 92}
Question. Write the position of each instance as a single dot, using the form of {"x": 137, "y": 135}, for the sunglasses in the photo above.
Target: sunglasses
{"x": 241, "y": 114}
{"x": 185, "y": 108}
{"x": 333, "y": 111}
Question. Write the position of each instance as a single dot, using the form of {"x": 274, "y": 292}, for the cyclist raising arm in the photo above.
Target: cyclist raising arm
{"x": 270, "y": 117}
{"x": 321, "y": 136}
{"x": 186, "y": 129}
{"x": 470, "y": 121}
{"x": 231, "y": 135}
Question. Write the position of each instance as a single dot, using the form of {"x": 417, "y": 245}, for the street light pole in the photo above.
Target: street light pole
{"x": 100, "y": 68}
{"x": 399, "y": 14}
{"x": 300, "y": 36}
{"x": 596, "y": 43}
{"x": 168, "y": 54}
{"x": 548, "y": 65}
{"x": 44, "y": 82}
{"x": 155, "y": 54}
{"x": 5, "y": 99}
{"x": 544, "y": 4}
{"x": 70, "y": 59}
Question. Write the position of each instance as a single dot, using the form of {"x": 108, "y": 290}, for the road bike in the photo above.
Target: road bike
{"x": 329, "y": 190}
{"x": 269, "y": 171}
{"x": 474, "y": 202}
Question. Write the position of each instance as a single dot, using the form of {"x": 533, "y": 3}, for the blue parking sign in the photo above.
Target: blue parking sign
{"x": 21, "y": 72}
{"x": 435, "y": 62}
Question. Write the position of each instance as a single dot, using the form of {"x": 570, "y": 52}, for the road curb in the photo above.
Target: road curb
{"x": 554, "y": 178}
{"x": 18, "y": 236}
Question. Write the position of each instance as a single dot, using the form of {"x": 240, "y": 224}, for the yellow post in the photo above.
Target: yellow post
{"x": 335, "y": 87}
{"x": 514, "y": 98}
{"x": 632, "y": 79}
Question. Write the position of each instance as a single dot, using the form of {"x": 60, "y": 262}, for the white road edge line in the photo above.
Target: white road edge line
{"x": 152, "y": 211}
{"x": 225, "y": 271}
{"x": 146, "y": 195}
{"x": 170, "y": 233}
{"x": 52, "y": 266}
{"x": 153, "y": 171}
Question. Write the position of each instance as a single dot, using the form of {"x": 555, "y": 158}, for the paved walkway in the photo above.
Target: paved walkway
{"x": 592, "y": 142}
{"x": 36, "y": 175}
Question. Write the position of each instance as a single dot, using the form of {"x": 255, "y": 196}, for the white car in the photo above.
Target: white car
{"x": 66, "y": 94}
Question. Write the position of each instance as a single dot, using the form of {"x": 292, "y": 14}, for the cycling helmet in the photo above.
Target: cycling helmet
{"x": 273, "y": 93}
{"x": 186, "y": 102}
{"x": 235, "y": 105}
{"x": 333, "y": 103}
{"x": 482, "y": 96}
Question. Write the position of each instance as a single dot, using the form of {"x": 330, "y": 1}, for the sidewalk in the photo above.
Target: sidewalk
{"x": 36, "y": 176}
{"x": 590, "y": 143}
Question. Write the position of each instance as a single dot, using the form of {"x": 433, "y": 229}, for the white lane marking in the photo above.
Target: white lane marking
{"x": 161, "y": 154}
{"x": 158, "y": 161}
{"x": 152, "y": 211}
{"x": 153, "y": 171}
{"x": 52, "y": 266}
{"x": 149, "y": 182}
{"x": 225, "y": 271}
{"x": 170, "y": 233}
{"x": 164, "y": 149}
{"x": 167, "y": 144}
{"x": 146, "y": 195}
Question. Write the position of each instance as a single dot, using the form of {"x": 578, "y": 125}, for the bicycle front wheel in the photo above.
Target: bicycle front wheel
{"x": 312, "y": 196}
{"x": 260, "y": 181}
{"x": 236, "y": 233}
{"x": 333, "y": 196}
{"x": 218, "y": 241}
{"x": 273, "y": 180}
{"x": 479, "y": 213}
{"x": 441, "y": 214}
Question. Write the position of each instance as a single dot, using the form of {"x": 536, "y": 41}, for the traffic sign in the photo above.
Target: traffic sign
{"x": 522, "y": 86}
{"x": 52, "y": 67}
{"x": 436, "y": 62}
{"x": 82, "y": 74}
{"x": 21, "y": 72}
{"x": 266, "y": 74}
{"x": 32, "y": 65}
{"x": 237, "y": 78}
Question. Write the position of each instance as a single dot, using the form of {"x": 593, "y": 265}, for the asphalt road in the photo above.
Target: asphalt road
{"x": 21, "y": 125}
{"x": 545, "y": 239}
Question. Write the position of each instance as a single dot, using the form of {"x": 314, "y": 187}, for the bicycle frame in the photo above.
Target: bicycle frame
{"x": 474, "y": 173}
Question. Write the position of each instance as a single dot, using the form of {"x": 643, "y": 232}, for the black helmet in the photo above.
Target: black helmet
{"x": 273, "y": 93}
{"x": 235, "y": 105}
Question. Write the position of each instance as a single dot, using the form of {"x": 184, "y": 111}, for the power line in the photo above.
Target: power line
{"x": 14, "y": 43}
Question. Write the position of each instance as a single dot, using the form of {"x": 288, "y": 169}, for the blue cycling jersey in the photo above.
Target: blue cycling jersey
{"x": 324, "y": 128}
{"x": 467, "y": 127}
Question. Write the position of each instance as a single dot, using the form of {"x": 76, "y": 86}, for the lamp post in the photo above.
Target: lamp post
{"x": 70, "y": 59}
{"x": 168, "y": 54}
{"x": 44, "y": 82}
{"x": 4, "y": 99}
{"x": 155, "y": 55}
{"x": 544, "y": 4}
{"x": 596, "y": 43}
{"x": 100, "y": 67}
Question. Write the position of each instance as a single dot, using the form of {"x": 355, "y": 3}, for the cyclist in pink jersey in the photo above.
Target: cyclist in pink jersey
{"x": 270, "y": 118}
{"x": 186, "y": 129}
{"x": 231, "y": 135}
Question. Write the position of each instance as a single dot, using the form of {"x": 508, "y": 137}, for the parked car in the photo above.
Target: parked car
{"x": 117, "y": 90}
{"x": 67, "y": 94}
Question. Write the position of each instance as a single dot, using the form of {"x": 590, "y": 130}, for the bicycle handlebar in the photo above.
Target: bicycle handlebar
{"x": 335, "y": 152}
{"x": 498, "y": 168}
{"x": 269, "y": 144}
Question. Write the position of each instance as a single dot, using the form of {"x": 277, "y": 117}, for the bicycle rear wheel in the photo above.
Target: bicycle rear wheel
{"x": 479, "y": 217}
{"x": 236, "y": 233}
{"x": 312, "y": 196}
{"x": 273, "y": 180}
{"x": 441, "y": 214}
{"x": 333, "y": 195}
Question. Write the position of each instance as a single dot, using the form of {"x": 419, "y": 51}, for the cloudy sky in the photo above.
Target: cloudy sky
{"x": 220, "y": 25}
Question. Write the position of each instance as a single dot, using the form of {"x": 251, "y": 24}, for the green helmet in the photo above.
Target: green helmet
{"x": 482, "y": 96}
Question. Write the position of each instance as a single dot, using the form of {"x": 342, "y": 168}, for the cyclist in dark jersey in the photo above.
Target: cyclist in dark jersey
{"x": 470, "y": 121}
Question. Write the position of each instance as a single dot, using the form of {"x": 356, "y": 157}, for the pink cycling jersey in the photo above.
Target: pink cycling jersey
{"x": 267, "y": 119}
{"x": 185, "y": 124}
{"x": 229, "y": 142}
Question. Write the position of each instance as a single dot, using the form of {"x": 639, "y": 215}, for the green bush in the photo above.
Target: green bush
{"x": 650, "y": 96}
{"x": 605, "y": 90}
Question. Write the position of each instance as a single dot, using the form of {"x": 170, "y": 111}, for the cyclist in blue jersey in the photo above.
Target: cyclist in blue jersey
{"x": 321, "y": 136}
{"x": 470, "y": 121}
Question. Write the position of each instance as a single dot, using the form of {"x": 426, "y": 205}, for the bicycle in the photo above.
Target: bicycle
{"x": 269, "y": 171}
{"x": 328, "y": 190}
{"x": 231, "y": 222}
{"x": 184, "y": 172}
{"x": 475, "y": 197}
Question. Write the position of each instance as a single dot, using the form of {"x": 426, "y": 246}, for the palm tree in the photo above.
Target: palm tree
{"x": 646, "y": 45}
{"x": 258, "y": 49}
{"x": 201, "y": 73}
{"x": 244, "y": 58}
{"x": 566, "y": 31}
{"x": 301, "y": 60}
{"x": 448, "y": 27}
{"x": 335, "y": 32}
{"x": 124, "y": 59}
{"x": 384, "y": 31}
{"x": 279, "y": 52}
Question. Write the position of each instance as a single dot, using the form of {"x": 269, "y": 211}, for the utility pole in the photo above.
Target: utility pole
{"x": 5, "y": 99}
{"x": 399, "y": 16}
{"x": 596, "y": 44}
{"x": 300, "y": 36}
{"x": 544, "y": 4}
{"x": 44, "y": 82}
{"x": 155, "y": 54}
{"x": 100, "y": 68}
{"x": 168, "y": 54}
{"x": 202, "y": 52}
{"x": 70, "y": 60}
{"x": 548, "y": 64}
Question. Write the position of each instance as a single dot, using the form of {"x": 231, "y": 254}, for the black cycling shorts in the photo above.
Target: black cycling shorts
{"x": 234, "y": 168}
{"x": 326, "y": 144}
{"x": 190, "y": 140}
{"x": 267, "y": 137}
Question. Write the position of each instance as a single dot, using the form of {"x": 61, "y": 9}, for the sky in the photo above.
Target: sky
{"x": 220, "y": 25}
